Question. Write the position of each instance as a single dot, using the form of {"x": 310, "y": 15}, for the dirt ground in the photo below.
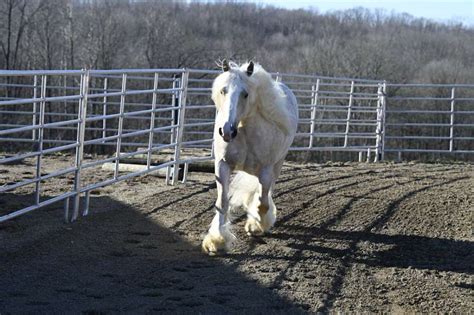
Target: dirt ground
{"x": 349, "y": 237}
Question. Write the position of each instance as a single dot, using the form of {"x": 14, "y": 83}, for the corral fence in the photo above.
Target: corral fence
{"x": 164, "y": 118}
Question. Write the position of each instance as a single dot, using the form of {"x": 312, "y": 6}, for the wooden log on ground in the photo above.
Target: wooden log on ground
{"x": 200, "y": 166}
{"x": 126, "y": 167}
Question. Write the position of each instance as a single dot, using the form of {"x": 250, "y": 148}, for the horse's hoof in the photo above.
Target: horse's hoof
{"x": 214, "y": 245}
{"x": 254, "y": 228}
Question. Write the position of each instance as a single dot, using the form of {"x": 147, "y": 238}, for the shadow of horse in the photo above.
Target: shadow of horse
{"x": 118, "y": 261}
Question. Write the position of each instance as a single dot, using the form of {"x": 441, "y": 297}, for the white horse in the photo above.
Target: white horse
{"x": 255, "y": 125}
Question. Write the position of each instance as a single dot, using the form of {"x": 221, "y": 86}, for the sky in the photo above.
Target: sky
{"x": 438, "y": 10}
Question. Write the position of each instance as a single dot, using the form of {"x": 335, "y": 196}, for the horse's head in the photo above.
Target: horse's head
{"x": 233, "y": 96}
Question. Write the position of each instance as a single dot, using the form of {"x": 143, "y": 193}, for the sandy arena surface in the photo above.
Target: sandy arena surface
{"x": 349, "y": 237}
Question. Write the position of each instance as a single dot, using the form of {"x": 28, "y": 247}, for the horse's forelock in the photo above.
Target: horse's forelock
{"x": 219, "y": 82}
{"x": 257, "y": 78}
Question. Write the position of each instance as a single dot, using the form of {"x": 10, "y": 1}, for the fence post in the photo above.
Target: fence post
{"x": 35, "y": 112}
{"x": 384, "y": 115}
{"x": 180, "y": 128}
{"x": 66, "y": 209}
{"x": 104, "y": 110}
{"x": 81, "y": 130}
{"x": 314, "y": 103}
{"x": 65, "y": 92}
{"x": 349, "y": 112}
{"x": 185, "y": 173}
{"x": 120, "y": 125}
{"x": 86, "y": 203}
{"x": 380, "y": 124}
{"x": 451, "y": 122}
{"x": 175, "y": 103}
{"x": 152, "y": 120}
{"x": 174, "y": 121}
{"x": 39, "y": 143}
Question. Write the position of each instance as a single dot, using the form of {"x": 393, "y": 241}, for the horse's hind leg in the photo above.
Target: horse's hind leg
{"x": 219, "y": 236}
{"x": 261, "y": 214}
{"x": 271, "y": 216}
{"x": 268, "y": 220}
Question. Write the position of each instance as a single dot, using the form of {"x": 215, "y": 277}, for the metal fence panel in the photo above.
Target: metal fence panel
{"x": 163, "y": 116}
{"x": 429, "y": 118}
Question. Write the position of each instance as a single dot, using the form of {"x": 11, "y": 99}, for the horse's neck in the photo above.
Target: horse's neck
{"x": 256, "y": 120}
{"x": 277, "y": 115}
{"x": 260, "y": 127}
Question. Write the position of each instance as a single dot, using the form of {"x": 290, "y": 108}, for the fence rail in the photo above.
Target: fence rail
{"x": 122, "y": 114}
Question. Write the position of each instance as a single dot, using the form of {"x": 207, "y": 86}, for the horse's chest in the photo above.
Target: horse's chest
{"x": 234, "y": 156}
{"x": 240, "y": 157}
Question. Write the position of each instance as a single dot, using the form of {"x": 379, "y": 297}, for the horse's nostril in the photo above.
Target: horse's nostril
{"x": 221, "y": 132}
{"x": 234, "y": 133}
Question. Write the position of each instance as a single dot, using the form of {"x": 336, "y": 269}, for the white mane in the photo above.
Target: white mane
{"x": 270, "y": 99}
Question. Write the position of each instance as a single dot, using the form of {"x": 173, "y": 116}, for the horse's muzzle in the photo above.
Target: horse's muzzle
{"x": 228, "y": 132}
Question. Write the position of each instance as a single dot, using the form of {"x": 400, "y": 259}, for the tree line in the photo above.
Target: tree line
{"x": 357, "y": 43}
{"x": 106, "y": 34}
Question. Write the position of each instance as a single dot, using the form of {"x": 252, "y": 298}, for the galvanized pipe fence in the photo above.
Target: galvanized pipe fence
{"x": 165, "y": 117}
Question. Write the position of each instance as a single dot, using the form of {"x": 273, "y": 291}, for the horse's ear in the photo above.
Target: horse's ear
{"x": 250, "y": 68}
{"x": 225, "y": 65}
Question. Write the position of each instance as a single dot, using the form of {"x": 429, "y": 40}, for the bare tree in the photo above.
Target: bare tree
{"x": 160, "y": 34}
{"x": 15, "y": 16}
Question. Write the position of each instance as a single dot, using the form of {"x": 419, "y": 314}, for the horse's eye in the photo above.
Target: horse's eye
{"x": 224, "y": 91}
{"x": 246, "y": 94}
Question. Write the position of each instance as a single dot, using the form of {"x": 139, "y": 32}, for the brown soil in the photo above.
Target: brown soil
{"x": 349, "y": 237}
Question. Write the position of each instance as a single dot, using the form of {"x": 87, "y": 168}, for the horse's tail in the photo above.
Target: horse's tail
{"x": 244, "y": 191}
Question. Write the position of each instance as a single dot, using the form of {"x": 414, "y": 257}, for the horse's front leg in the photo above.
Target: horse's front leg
{"x": 219, "y": 236}
{"x": 262, "y": 212}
